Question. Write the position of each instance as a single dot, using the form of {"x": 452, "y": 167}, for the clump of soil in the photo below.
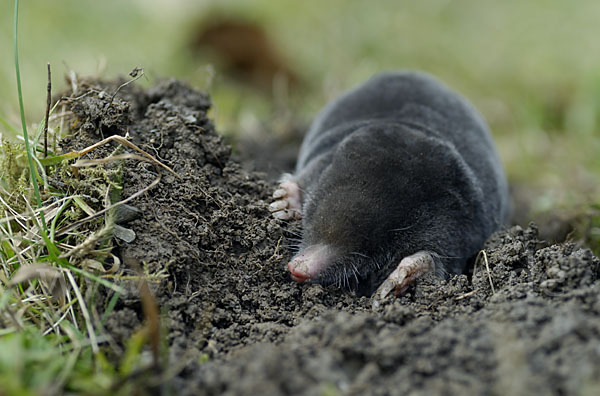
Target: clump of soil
{"x": 525, "y": 322}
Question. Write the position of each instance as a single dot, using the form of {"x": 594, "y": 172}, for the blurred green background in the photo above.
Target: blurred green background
{"x": 531, "y": 67}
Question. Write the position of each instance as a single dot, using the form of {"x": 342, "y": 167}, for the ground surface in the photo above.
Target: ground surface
{"x": 236, "y": 324}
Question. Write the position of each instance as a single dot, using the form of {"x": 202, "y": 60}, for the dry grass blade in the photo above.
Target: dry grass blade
{"x": 463, "y": 296}
{"x": 121, "y": 140}
{"x": 89, "y": 243}
{"x": 49, "y": 211}
{"x": 136, "y": 74}
{"x": 483, "y": 254}
{"x": 50, "y": 276}
{"x": 93, "y": 162}
{"x": 98, "y": 266}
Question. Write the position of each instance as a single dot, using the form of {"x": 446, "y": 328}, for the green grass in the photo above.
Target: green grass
{"x": 54, "y": 298}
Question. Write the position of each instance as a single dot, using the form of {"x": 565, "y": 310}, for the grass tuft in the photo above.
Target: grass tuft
{"x": 59, "y": 281}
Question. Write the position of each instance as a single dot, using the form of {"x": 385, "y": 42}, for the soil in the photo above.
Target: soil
{"x": 525, "y": 321}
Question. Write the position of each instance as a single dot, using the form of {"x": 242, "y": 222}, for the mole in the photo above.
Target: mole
{"x": 396, "y": 178}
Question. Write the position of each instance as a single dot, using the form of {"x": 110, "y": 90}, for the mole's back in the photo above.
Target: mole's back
{"x": 420, "y": 102}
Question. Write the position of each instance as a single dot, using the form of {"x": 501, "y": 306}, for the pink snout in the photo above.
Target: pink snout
{"x": 310, "y": 262}
{"x": 296, "y": 274}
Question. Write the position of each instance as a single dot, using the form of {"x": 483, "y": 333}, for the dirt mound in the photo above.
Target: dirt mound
{"x": 527, "y": 322}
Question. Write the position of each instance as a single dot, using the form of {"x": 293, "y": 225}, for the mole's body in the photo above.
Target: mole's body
{"x": 395, "y": 178}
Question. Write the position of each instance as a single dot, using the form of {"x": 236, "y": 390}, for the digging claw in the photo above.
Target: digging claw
{"x": 407, "y": 272}
{"x": 285, "y": 214}
{"x": 389, "y": 285}
{"x": 385, "y": 289}
{"x": 279, "y": 193}
{"x": 287, "y": 204}
{"x": 278, "y": 205}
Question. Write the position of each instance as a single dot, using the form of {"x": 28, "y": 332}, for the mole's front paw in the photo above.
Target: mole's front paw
{"x": 407, "y": 272}
{"x": 287, "y": 204}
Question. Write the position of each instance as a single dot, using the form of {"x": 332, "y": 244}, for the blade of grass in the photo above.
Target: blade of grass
{"x": 32, "y": 169}
{"x": 53, "y": 160}
{"x": 110, "y": 307}
{"x": 36, "y": 189}
{"x": 95, "y": 278}
{"x": 48, "y": 103}
{"x": 55, "y": 219}
{"x": 84, "y": 312}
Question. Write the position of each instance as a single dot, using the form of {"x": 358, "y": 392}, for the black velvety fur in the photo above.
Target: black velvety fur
{"x": 398, "y": 165}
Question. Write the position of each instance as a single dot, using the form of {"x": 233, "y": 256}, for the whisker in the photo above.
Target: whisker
{"x": 348, "y": 277}
{"x": 376, "y": 263}
{"x": 410, "y": 226}
{"x": 403, "y": 228}
{"x": 359, "y": 254}
{"x": 294, "y": 233}
{"x": 297, "y": 240}
{"x": 355, "y": 273}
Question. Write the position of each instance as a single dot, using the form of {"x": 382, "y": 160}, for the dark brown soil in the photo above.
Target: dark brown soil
{"x": 237, "y": 325}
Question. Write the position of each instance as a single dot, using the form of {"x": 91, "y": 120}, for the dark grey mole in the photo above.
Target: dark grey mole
{"x": 398, "y": 165}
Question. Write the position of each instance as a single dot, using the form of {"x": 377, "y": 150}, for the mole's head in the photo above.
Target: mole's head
{"x": 357, "y": 216}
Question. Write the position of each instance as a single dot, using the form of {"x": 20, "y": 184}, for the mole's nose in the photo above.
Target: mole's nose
{"x": 310, "y": 262}
{"x": 296, "y": 271}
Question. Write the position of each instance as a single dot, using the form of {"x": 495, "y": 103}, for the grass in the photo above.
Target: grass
{"x": 55, "y": 293}
{"x": 54, "y": 297}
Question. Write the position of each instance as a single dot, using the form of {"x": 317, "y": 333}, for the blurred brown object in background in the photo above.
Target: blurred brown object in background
{"x": 246, "y": 53}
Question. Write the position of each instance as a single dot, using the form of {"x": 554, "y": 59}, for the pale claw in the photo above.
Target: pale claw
{"x": 385, "y": 288}
{"x": 278, "y": 205}
{"x": 288, "y": 201}
{"x": 285, "y": 214}
{"x": 279, "y": 193}
{"x": 408, "y": 271}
